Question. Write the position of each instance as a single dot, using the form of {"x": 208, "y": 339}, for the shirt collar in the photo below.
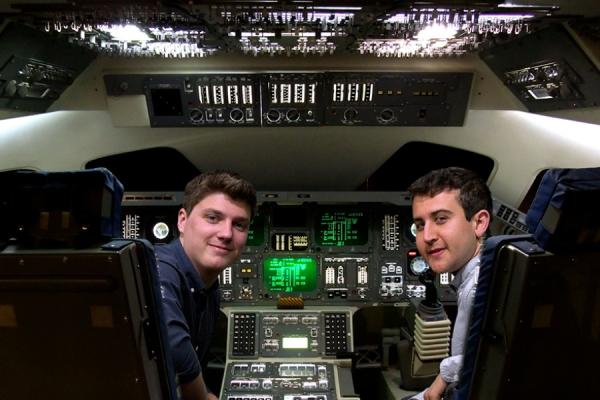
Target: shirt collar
{"x": 465, "y": 273}
{"x": 192, "y": 275}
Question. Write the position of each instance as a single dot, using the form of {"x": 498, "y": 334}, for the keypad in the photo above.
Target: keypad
{"x": 244, "y": 334}
{"x": 336, "y": 340}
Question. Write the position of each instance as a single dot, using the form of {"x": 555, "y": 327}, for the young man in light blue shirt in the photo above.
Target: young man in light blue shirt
{"x": 452, "y": 210}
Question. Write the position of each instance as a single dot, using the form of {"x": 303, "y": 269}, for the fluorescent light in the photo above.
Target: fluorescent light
{"x": 126, "y": 33}
{"x": 504, "y": 17}
{"x": 437, "y": 31}
{"x": 252, "y": 34}
{"x": 508, "y": 4}
{"x": 337, "y": 8}
{"x": 400, "y": 18}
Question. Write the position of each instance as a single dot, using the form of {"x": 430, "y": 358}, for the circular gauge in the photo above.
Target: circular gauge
{"x": 160, "y": 230}
{"x": 413, "y": 229}
{"x": 418, "y": 265}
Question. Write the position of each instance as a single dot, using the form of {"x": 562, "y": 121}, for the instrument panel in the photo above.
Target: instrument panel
{"x": 299, "y": 98}
{"x": 289, "y": 334}
{"x": 322, "y": 248}
{"x": 311, "y": 262}
{"x": 279, "y": 381}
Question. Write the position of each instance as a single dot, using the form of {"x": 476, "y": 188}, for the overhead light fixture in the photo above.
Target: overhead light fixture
{"x": 437, "y": 32}
{"x": 337, "y": 8}
{"x": 125, "y": 33}
{"x": 488, "y": 17}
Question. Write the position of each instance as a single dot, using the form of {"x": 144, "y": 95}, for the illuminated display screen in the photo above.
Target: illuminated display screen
{"x": 342, "y": 228}
{"x": 294, "y": 343}
{"x": 256, "y": 231}
{"x": 290, "y": 274}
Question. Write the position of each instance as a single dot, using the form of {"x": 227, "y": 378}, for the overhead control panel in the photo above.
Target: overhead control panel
{"x": 35, "y": 68}
{"x": 547, "y": 70}
{"x": 299, "y": 98}
{"x": 409, "y": 99}
{"x": 206, "y": 100}
{"x": 323, "y": 248}
{"x": 292, "y": 99}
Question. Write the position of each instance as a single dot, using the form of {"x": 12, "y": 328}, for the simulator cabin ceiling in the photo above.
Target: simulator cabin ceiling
{"x": 387, "y": 28}
{"x": 543, "y": 80}
{"x": 138, "y": 68}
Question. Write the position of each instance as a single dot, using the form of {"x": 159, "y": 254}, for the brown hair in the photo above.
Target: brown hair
{"x": 219, "y": 181}
{"x": 474, "y": 193}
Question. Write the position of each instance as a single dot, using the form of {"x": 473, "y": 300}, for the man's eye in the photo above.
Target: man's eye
{"x": 211, "y": 218}
{"x": 241, "y": 226}
{"x": 418, "y": 227}
{"x": 441, "y": 219}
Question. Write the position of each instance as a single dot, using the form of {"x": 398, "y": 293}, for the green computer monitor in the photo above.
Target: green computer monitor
{"x": 340, "y": 228}
{"x": 290, "y": 274}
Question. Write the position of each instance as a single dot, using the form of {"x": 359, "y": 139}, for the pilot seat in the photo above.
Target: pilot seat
{"x": 80, "y": 309}
{"x": 535, "y": 326}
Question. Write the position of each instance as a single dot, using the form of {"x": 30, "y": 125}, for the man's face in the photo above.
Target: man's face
{"x": 215, "y": 232}
{"x": 445, "y": 238}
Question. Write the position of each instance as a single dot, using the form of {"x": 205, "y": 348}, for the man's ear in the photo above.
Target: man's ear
{"x": 181, "y": 220}
{"x": 481, "y": 222}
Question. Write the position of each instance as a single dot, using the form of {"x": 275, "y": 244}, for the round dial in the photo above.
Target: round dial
{"x": 160, "y": 230}
{"x": 413, "y": 230}
{"x": 418, "y": 265}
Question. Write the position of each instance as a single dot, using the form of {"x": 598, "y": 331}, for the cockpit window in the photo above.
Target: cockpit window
{"x": 415, "y": 159}
{"x": 154, "y": 169}
{"x": 528, "y": 199}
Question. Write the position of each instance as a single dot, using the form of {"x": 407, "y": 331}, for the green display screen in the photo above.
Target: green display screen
{"x": 342, "y": 228}
{"x": 290, "y": 274}
{"x": 256, "y": 231}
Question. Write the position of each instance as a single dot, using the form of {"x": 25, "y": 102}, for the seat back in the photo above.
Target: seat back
{"x": 534, "y": 328}
{"x": 79, "y": 321}
{"x": 60, "y": 209}
{"x": 480, "y": 305}
{"x": 564, "y": 213}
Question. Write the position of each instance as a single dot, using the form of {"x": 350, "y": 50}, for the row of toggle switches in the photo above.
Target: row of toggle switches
{"x": 291, "y": 320}
{"x": 278, "y": 383}
{"x": 285, "y": 397}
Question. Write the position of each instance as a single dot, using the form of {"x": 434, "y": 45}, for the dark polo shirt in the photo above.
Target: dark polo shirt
{"x": 190, "y": 309}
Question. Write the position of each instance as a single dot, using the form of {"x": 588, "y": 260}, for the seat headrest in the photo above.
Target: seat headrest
{"x": 49, "y": 209}
{"x": 565, "y": 215}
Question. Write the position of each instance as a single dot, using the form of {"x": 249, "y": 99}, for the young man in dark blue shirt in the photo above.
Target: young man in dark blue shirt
{"x": 213, "y": 228}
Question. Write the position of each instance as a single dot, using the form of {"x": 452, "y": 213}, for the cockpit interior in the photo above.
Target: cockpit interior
{"x": 331, "y": 108}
